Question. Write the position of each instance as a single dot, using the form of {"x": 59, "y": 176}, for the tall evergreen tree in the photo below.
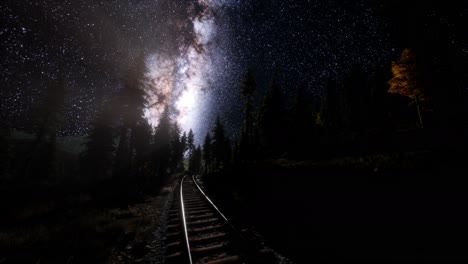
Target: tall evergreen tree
{"x": 183, "y": 142}
{"x": 303, "y": 123}
{"x": 198, "y": 159}
{"x": 236, "y": 160}
{"x": 190, "y": 142}
{"x": 271, "y": 121}
{"x": 177, "y": 148}
{"x": 132, "y": 101}
{"x": 195, "y": 161}
{"x": 357, "y": 93}
{"x": 190, "y": 146}
{"x": 162, "y": 148}
{"x": 247, "y": 145}
{"x": 48, "y": 118}
{"x": 227, "y": 156}
{"x": 50, "y": 114}
{"x": 330, "y": 107}
{"x": 96, "y": 162}
{"x": 378, "y": 112}
{"x": 143, "y": 139}
{"x": 207, "y": 151}
{"x": 220, "y": 151}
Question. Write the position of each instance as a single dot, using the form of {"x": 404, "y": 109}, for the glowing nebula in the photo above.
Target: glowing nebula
{"x": 181, "y": 81}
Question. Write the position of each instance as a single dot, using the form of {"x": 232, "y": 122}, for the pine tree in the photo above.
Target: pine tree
{"x": 132, "y": 103}
{"x": 271, "y": 121}
{"x": 236, "y": 160}
{"x": 207, "y": 149}
{"x": 247, "y": 145}
{"x": 48, "y": 119}
{"x": 330, "y": 108}
{"x": 190, "y": 142}
{"x": 357, "y": 100}
{"x": 183, "y": 142}
{"x": 219, "y": 148}
{"x": 227, "y": 156}
{"x": 97, "y": 161}
{"x": 177, "y": 148}
{"x": 162, "y": 148}
{"x": 195, "y": 161}
{"x": 190, "y": 146}
{"x": 143, "y": 139}
{"x": 302, "y": 124}
{"x": 50, "y": 114}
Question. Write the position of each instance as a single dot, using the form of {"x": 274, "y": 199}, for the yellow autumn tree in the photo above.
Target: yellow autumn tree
{"x": 406, "y": 81}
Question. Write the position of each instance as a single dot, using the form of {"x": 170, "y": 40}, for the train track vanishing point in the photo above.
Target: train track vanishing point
{"x": 199, "y": 233}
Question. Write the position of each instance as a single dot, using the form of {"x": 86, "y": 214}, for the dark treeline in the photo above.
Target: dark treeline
{"x": 416, "y": 102}
{"x": 122, "y": 150}
{"x": 82, "y": 198}
{"x": 309, "y": 164}
{"x": 404, "y": 106}
{"x": 396, "y": 127}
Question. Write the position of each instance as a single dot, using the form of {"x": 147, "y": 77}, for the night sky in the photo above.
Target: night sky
{"x": 196, "y": 51}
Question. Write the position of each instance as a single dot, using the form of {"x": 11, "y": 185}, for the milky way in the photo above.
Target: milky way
{"x": 90, "y": 44}
{"x": 196, "y": 52}
{"x": 182, "y": 80}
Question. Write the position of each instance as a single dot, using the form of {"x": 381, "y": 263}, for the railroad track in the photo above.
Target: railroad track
{"x": 199, "y": 233}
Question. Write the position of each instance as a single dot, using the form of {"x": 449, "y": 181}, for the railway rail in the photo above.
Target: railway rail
{"x": 198, "y": 232}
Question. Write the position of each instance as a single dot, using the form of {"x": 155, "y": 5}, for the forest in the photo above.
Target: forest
{"x": 405, "y": 106}
{"x": 381, "y": 149}
{"x": 397, "y": 122}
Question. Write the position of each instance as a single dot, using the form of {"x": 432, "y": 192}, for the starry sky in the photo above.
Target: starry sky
{"x": 196, "y": 52}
